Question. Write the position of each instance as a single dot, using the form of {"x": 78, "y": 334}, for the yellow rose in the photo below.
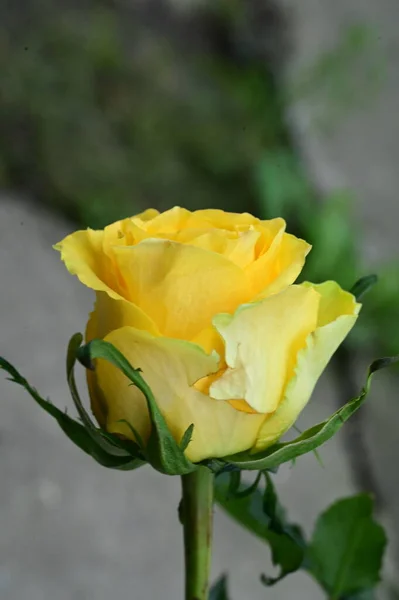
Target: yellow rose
{"x": 204, "y": 303}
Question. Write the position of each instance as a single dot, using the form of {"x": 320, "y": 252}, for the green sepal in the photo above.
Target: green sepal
{"x": 346, "y": 550}
{"x": 74, "y": 430}
{"x": 263, "y": 516}
{"x": 310, "y": 439}
{"x": 363, "y": 285}
{"x": 218, "y": 466}
{"x": 136, "y": 435}
{"x": 219, "y": 589}
{"x": 186, "y": 439}
{"x": 162, "y": 450}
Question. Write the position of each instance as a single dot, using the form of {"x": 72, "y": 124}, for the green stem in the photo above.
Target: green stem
{"x": 196, "y": 515}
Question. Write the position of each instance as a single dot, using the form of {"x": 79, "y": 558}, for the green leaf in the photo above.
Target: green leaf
{"x": 277, "y": 514}
{"x": 75, "y": 431}
{"x": 272, "y": 507}
{"x": 219, "y": 589}
{"x": 363, "y": 285}
{"x": 312, "y": 438}
{"x": 162, "y": 451}
{"x": 278, "y": 523}
{"x": 250, "y": 489}
{"x": 234, "y": 482}
{"x": 366, "y": 595}
{"x": 347, "y": 547}
{"x": 249, "y": 511}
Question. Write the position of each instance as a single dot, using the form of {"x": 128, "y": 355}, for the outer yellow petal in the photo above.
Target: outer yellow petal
{"x": 82, "y": 253}
{"x": 98, "y": 404}
{"x": 289, "y": 263}
{"x": 262, "y": 341}
{"x": 334, "y": 302}
{"x": 278, "y": 266}
{"x": 337, "y": 315}
{"x": 171, "y": 367}
{"x": 180, "y": 287}
{"x": 110, "y": 314}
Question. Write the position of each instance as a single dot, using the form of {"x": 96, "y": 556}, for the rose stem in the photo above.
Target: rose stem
{"x": 196, "y": 515}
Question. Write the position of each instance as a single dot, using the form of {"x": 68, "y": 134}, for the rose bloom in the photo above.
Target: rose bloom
{"x": 204, "y": 304}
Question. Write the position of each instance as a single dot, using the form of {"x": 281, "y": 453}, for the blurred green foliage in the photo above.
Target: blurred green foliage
{"x": 101, "y": 126}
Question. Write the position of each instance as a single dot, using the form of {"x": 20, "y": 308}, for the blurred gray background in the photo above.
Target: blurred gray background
{"x": 109, "y": 107}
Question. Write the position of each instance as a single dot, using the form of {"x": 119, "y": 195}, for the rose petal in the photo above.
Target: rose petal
{"x": 262, "y": 341}
{"x": 171, "y": 367}
{"x": 180, "y": 287}
{"x": 338, "y": 312}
